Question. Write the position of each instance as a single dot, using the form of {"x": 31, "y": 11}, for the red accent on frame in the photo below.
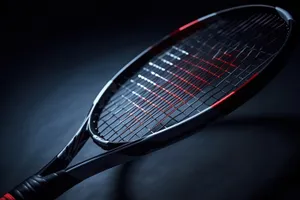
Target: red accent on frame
{"x": 247, "y": 81}
{"x": 188, "y": 25}
{"x": 174, "y": 32}
{"x": 230, "y": 94}
{"x": 7, "y": 196}
{"x": 223, "y": 99}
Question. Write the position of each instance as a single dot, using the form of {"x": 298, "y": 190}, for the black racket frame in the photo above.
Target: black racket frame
{"x": 55, "y": 178}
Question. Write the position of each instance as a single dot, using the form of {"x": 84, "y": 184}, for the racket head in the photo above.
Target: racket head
{"x": 243, "y": 23}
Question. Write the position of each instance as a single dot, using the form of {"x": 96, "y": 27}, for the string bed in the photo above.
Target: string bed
{"x": 191, "y": 75}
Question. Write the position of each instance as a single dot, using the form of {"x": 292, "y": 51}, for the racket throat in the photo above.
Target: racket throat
{"x": 106, "y": 145}
{"x": 54, "y": 165}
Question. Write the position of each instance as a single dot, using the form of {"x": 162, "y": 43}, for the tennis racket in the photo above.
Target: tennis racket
{"x": 200, "y": 72}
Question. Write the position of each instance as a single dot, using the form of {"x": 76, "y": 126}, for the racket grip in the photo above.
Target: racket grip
{"x": 42, "y": 188}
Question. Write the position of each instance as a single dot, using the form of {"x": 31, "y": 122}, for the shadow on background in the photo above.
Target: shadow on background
{"x": 122, "y": 190}
{"x": 276, "y": 188}
{"x": 289, "y": 123}
{"x": 289, "y": 180}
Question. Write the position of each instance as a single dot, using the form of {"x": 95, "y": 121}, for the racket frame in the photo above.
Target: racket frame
{"x": 160, "y": 46}
{"x": 130, "y": 151}
{"x": 123, "y": 152}
{"x": 66, "y": 177}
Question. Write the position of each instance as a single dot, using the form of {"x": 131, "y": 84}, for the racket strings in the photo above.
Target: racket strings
{"x": 179, "y": 100}
{"x": 160, "y": 105}
{"x": 178, "y": 48}
{"x": 190, "y": 76}
{"x": 146, "y": 85}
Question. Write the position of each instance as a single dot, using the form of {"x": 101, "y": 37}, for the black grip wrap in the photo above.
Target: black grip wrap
{"x": 44, "y": 188}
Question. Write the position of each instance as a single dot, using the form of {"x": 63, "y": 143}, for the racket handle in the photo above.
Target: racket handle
{"x": 42, "y": 188}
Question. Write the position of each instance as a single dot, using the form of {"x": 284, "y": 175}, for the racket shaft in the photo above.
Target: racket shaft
{"x": 52, "y": 186}
{"x": 64, "y": 158}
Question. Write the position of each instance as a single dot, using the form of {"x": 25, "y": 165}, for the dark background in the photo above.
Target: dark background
{"x": 57, "y": 55}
